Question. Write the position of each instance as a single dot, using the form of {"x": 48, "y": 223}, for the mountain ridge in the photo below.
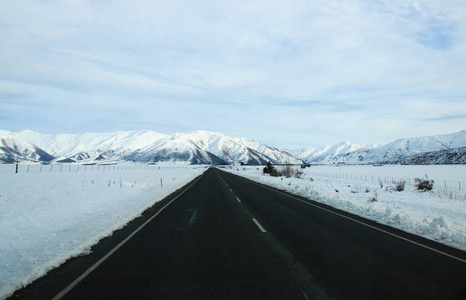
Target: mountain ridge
{"x": 204, "y": 147}
{"x": 198, "y": 147}
{"x": 435, "y": 149}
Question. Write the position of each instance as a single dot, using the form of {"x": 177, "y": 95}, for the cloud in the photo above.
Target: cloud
{"x": 448, "y": 117}
{"x": 321, "y": 71}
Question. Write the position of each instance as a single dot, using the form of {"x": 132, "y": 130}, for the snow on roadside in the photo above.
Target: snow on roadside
{"x": 422, "y": 213}
{"x": 47, "y": 218}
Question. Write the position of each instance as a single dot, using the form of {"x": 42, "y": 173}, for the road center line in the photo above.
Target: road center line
{"x": 238, "y": 199}
{"x": 259, "y": 225}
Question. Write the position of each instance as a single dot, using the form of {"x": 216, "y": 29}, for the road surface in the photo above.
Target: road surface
{"x": 225, "y": 237}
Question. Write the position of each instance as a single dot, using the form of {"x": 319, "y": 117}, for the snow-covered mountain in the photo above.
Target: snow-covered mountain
{"x": 328, "y": 154}
{"x": 449, "y": 148}
{"x": 76, "y": 147}
{"x": 202, "y": 147}
{"x": 207, "y": 147}
{"x": 11, "y": 149}
{"x": 198, "y": 147}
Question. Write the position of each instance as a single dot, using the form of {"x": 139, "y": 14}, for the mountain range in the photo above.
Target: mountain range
{"x": 436, "y": 149}
{"x": 203, "y": 147}
{"x": 199, "y": 147}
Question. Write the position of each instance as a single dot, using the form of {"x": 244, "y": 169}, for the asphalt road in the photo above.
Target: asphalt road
{"x": 225, "y": 237}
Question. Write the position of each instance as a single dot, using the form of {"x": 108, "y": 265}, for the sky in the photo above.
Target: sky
{"x": 290, "y": 74}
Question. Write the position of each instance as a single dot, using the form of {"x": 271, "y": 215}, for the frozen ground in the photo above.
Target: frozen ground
{"x": 51, "y": 213}
{"x": 438, "y": 215}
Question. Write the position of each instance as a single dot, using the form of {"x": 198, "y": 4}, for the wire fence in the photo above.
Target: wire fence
{"x": 446, "y": 184}
{"x": 56, "y": 168}
{"x": 94, "y": 175}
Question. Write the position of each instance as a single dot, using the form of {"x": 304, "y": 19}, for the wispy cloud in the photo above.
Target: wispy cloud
{"x": 449, "y": 117}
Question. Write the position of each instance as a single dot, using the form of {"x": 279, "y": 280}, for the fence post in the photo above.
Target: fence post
{"x": 17, "y": 166}
{"x": 161, "y": 182}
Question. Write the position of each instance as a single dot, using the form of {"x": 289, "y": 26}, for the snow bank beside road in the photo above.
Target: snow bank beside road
{"x": 423, "y": 213}
{"x": 46, "y": 218}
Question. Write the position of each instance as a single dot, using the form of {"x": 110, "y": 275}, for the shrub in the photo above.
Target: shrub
{"x": 287, "y": 170}
{"x": 298, "y": 174}
{"x": 373, "y": 198}
{"x": 269, "y": 168}
{"x": 424, "y": 184}
{"x": 400, "y": 185}
{"x": 275, "y": 173}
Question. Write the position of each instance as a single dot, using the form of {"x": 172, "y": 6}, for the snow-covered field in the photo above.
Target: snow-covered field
{"x": 438, "y": 215}
{"x": 450, "y": 177}
{"x": 49, "y": 213}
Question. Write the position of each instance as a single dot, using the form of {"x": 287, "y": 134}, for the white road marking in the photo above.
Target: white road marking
{"x": 362, "y": 223}
{"x": 93, "y": 267}
{"x": 231, "y": 190}
{"x": 305, "y": 296}
{"x": 259, "y": 225}
{"x": 238, "y": 199}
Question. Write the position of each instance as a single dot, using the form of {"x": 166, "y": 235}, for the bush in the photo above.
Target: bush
{"x": 373, "y": 198}
{"x": 400, "y": 185}
{"x": 287, "y": 171}
{"x": 269, "y": 168}
{"x": 424, "y": 185}
{"x": 298, "y": 174}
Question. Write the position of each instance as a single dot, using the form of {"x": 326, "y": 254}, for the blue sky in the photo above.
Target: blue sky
{"x": 296, "y": 74}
